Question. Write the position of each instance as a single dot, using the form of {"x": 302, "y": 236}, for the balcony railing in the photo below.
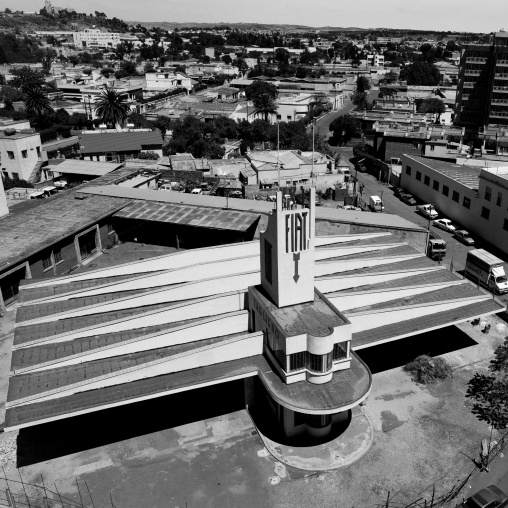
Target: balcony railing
{"x": 501, "y": 102}
{"x": 469, "y": 72}
{"x": 499, "y": 114}
{"x": 500, "y": 89}
{"x": 502, "y": 75}
{"x": 475, "y": 59}
{"x": 502, "y": 62}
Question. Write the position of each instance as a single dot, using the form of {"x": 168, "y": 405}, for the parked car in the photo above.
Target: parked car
{"x": 427, "y": 211}
{"x": 489, "y": 497}
{"x": 350, "y": 207}
{"x": 408, "y": 199}
{"x": 398, "y": 191}
{"x": 463, "y": 236}
{"x": 445, "y": 224}
{"x": 60, "y": 184}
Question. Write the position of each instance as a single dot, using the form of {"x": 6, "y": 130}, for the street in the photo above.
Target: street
{"x": 456, "y": 251}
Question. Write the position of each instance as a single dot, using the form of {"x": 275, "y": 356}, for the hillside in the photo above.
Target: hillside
{"x": 29, "y": 23}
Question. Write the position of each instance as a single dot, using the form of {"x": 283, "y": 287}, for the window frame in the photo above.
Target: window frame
{"x": 419, "y": 176}
{"x": 485, "y": 213}
{"x": 445, "y": 191}
{"x": 455, "y": 196}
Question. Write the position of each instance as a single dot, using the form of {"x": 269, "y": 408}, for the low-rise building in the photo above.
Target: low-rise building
{"x": 472, "y": 195}
{"x": 161, "y": 81}
{"x": 94, "y": 38}
{"x": 119, "y": 146}
{"x": 21, "y": 153}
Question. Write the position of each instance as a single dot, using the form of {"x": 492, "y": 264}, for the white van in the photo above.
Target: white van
{"x": 197, "y": 191}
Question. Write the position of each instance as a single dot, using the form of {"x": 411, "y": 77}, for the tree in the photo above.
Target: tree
{"x": 9, "y": 94}
{"x": 420, "y": 73}
{"x": 265, "y": 106}
{"x": 27, "y": 77}
{"x": 260, "y": 88}
{"x": 433, "y": 105}
{"x": 489, "y": 393}
{"x": 360, "y": 100}
{"x": 111, "y": 107}
{"x": 345, "y": 128}
{"x": 36, "y": 102}
{"x": 362, "y": 84}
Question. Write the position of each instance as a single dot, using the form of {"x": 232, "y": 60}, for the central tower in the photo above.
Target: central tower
{"x": 287, "y": 252}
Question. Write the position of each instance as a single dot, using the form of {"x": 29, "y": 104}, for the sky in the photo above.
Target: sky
{"x": 455, "y": 15}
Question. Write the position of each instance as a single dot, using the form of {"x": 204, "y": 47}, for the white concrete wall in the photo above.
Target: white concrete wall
{"x": 232, "y": 349}
{"x": 199, "y": 308}
{"x": 336, "y": 266}
{"x": 4, "y": 210}
{"x": 340, "y": 283}
{"x": 225, "y": 324}
{"x": 22, "y": 166}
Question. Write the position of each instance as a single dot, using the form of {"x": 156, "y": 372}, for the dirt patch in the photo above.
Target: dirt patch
{"x": 389, "y": 421}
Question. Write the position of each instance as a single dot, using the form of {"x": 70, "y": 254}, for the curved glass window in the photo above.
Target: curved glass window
{"x": 319, "y": 363}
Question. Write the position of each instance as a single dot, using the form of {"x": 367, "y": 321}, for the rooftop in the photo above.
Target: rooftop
{"x": 29, "y": 231}
{"x": 465, "y": 175}
{"x": 92, "y": 168}
{"x": 317, "y": 318}
{"x": 189, "y": 215}
{"x": 119, "y": 141}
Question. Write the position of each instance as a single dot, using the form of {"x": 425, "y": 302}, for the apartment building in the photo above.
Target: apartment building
{"x": 96, "y": 39}
{"x": 375, "y": 60}
{"x": 482, "y": 90}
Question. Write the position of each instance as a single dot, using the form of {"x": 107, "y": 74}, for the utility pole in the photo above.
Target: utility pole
{"x": 278, "y": 156}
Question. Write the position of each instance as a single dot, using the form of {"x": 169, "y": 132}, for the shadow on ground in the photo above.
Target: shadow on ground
{"x": 399, "y": 352}
{"x": 84, "y": 432}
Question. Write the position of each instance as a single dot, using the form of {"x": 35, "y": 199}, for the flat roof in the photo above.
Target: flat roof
{"x": 118, "y": 141}
{"x": 468, "y": 176}
{"x": 24, "y": 233}
{"x": 317, "y": 317}
{"x": 185, "y": 215}
{"x": 81, "y": 167}
{"x": 250, "y": 205}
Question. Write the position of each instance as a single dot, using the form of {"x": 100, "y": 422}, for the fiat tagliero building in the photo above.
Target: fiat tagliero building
{"x": 257, "y": 317}
{"x": 306, "y": 340}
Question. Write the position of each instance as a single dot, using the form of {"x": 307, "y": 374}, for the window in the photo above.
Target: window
{"x": 297, "y": 361}
{"x": 24, "y": 154}
{"x": 418, "y": 176}
{"x": 15, "y": 176}
{"x": 110, "y": 228}
{"x": 268, "y": 262}
{"x": 289, "y": 117}
{"x": 435, "y": 185}
{"x": 340, "y": 351}
{"x": 446, "y": 190}
{"x": 488, "y": 193}
{"x": 466, "y": 202}
{"x": 505, "y": 225}
{"x": 279, "y": 117}
{"x": 319, "y": 363}
{"x": 10, "y": 154}
{"x": 408, "y": 170}
{"x": 455, "y": 196}
{"x": 47, "y": 262}
{"x": 485, "y": 213}
{"x": 426, "y": 180}
{"x": 499, "y": 199}
{"x": 432, "y": 148}
{"x": 57, "y": 254}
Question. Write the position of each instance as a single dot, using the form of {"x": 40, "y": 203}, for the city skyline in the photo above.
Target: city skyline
{"x": 395, "y": 14}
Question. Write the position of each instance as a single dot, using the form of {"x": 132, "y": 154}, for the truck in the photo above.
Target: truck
{"x": 427, "y": 211}
{"x": 487, "y": 270}
{"x": 375, "y": 204}
{"x": 436, "y": 248}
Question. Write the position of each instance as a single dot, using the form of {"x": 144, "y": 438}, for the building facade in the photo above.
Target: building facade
{"x": 93, "y": 38}
{"x": 20, "y": 154}
{"x": 482, "y": 89}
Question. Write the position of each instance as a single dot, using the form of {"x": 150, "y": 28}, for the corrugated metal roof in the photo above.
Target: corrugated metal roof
{"x": 189, "y": 216}
{"x": 118, "y": 141}
{"x": 79, "y": 167}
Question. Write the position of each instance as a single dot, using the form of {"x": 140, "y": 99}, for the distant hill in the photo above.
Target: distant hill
{"x": 170, "y": 25}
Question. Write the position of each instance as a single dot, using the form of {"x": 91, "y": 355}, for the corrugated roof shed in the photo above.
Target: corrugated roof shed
{"x": 119, "y": 141}
{"x": 92, "y": 168}
{"x": 189, "y": 215}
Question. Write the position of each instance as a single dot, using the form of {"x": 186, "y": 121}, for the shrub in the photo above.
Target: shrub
{"x": 150, "y": 155}
{"x": 425, "y": 370}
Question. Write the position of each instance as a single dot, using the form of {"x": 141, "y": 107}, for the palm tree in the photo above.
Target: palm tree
{"x": 36, "y": 101}
{"x": 264, "y": 105}
{"x": 111, "y": 107}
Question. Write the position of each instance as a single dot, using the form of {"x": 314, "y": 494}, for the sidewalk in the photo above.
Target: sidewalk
{"x": 347, "y": 448}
